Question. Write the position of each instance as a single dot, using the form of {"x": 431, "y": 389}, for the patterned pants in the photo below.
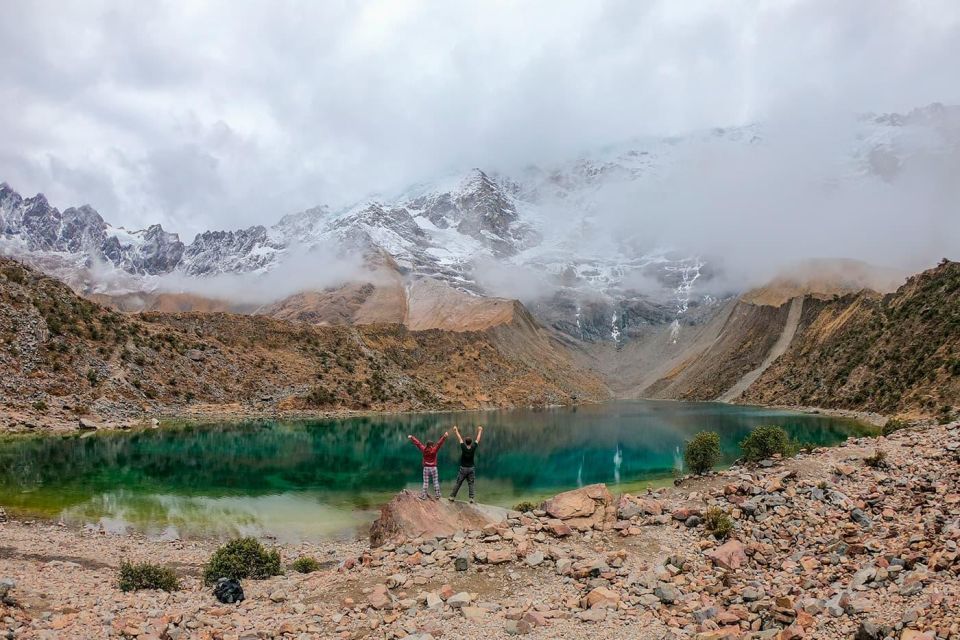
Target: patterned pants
{"x": 468, "y": 474}
{"x": 428, "y": 473}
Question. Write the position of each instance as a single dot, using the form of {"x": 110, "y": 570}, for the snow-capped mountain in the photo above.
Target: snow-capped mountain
{"x": 482, "y": 231}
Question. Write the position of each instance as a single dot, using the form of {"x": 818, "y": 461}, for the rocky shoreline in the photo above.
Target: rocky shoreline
{"x": 823, "y": 545}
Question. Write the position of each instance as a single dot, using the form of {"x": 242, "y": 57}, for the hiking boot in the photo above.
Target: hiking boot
{"x": 422, "y": 496}
{"x": 472, "y": 501}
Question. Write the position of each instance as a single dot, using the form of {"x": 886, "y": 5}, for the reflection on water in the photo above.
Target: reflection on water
{"x": 165, "y": 516}
{"x": 321, "y": 478}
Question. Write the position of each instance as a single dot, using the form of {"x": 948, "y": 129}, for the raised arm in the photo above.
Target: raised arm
{"x": 416, "y": 443}
{"x": 479, "y": 433}
{"x": 456, "y": 432}
{"x": 442, "y": 439}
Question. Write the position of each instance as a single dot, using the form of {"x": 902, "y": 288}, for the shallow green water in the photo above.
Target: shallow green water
{"x": 320, "y": 478}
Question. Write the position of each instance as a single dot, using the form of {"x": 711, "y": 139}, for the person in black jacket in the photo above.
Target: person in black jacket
{"x": 468, "y": 448}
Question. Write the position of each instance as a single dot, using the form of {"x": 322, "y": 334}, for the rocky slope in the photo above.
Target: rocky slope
{"x": 894, "y": 353}
{"x": 724, "y": 347}
{"x": 839, "y": 543}
{"x": 64, "y": 358}
{"x": 898, "y": 353}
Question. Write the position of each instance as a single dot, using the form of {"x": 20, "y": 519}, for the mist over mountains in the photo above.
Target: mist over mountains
{"x": 673, "y": 220}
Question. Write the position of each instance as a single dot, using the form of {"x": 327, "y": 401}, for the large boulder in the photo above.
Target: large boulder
{"x": 730, "y": 555}
{"x": 590, "y": 507}
{"x": 407, "y": 516}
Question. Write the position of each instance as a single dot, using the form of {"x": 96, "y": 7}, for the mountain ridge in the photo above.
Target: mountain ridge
{"x": 481, "y": 231}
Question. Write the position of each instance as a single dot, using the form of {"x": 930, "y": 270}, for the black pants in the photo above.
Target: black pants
{"x": 468, "y": 474}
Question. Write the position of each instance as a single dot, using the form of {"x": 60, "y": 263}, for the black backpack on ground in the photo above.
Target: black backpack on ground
{"x": 228, "y": 591}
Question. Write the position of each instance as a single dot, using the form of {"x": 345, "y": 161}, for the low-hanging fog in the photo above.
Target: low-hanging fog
{"x": 805, "y": 189}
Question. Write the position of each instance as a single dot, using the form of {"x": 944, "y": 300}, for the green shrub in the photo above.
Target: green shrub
{"x": 14, "y": 274}
{"x": 765, "y": 442}
{"x": 703, "y": 452}
{"x": 305, "y": 564}
{"x": 320, "y": 397}
{"x": 877, "y": 460}
{"x": 524, "y": 506}
{"x": 145, "y": 575}
{"x": 892, "y": 425}
{"x": 40, "y": 405}
{"x": 717, "y": 522}
{"x": 242, "y": 558}
{"x": 946, "y": 414}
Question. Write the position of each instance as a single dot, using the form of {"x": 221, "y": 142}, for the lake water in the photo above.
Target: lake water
{"x": 309, "y": 479}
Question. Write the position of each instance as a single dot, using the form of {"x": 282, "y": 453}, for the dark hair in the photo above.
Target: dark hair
{"x": 469, "y": 441}
{"x": 429, "y": 443}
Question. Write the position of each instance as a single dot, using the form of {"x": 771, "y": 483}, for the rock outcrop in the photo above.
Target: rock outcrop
{"x": 407, "y": 516}
{"x": 590, "y": 507}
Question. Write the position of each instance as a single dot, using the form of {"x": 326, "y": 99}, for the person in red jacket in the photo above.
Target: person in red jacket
{"x": 430, "y": 463}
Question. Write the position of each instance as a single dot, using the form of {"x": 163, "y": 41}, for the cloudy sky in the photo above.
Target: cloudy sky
{"x": 222, "y": 114}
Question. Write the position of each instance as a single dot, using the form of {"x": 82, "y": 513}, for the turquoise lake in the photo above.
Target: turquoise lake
{"x": 312, "y": 479}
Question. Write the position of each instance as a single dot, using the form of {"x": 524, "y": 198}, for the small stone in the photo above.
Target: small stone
{"x": 861, "y": 518}
{"x": 459, "y": 600}
{"x": 517, "y": 627}
{"x": 474, "y": 613}
{"x": 602, "y": 598}
{"x": 730, "y": 555}
{"x": 750, "y": 594}
{"x": 379, "y": 598}
{"x": 667, "y": 593}
{"x": 397, "y": 580}
{"x": 499, "y": 556}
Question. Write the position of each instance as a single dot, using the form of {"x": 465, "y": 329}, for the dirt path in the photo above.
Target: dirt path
{"x": 789, "y": 330}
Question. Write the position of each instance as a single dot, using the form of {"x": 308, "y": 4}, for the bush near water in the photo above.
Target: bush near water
{"x": 703, "y": 452}
{"x": 764, "y": 442}
{"x": 305, "y": 564}
{"x": 242, "y": 558}
{"x": 146, "y": 575}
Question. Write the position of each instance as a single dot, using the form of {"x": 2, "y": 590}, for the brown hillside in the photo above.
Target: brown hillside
{"x": 725, "y": 354}
{"x": 63, "y": 357}
{"x": 898, "y": 353}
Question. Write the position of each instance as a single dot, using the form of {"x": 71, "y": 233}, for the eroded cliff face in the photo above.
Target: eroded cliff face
{"x": 817, "y": 336}
{"x": 898, "y": 353}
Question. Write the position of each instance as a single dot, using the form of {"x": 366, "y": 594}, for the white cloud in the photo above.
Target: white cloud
{"x": 224, "y": 114}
